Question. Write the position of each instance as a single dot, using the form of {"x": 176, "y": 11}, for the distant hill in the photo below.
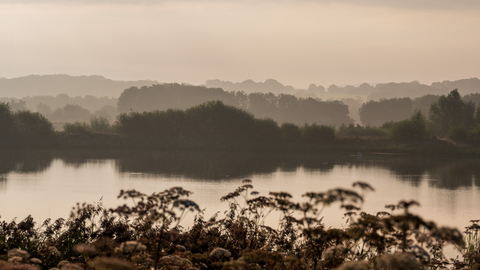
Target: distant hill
{"x": 408, "y": 89}
{"x": 99, "y": 86}
{"x": 42, "y": 85}
{"x": 464, "y": 86}
{"x": 369, "y": 92}
{"x": 249, "y": 86}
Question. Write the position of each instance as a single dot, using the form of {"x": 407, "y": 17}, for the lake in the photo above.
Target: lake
{"x": 47, "y": 184}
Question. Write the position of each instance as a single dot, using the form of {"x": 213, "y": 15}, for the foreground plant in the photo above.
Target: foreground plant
{"x": 145, "y": 233}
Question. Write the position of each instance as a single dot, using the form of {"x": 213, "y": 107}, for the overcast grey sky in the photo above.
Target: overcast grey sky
{"x": 296, "y": 42}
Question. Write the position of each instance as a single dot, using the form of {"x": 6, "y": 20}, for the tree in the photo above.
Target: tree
{"x": 451, "y": 111}
{"x": 412, "y": 129}
{"x": 376, "y": 113}
{"x": 7, "y": 122}
{"x": 33, "y": 126}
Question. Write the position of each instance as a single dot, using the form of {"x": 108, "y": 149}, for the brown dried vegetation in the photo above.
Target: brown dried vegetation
{"x": 145, "y": 233}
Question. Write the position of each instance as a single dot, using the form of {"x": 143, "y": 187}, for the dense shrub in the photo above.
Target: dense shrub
{"x": 76, "y": 128}
{"x": 97, "y": 124}
{"x": 281, "y": 108}
{"x": 316, "y": 133}
{"x": 451, "y": 111}
{"x": 413, "y": 129}
{"x": 158, "y": 124}
{"x": 33, "y": 124}
{"x": 215, "y": 120}
{"x": 474, "y": 134}
{"x": 458, "y": 134}
{"x": 290, "y": 132}
{"x": 360, "y": 131}
{"x": 375, "y": 113}
{"x": 24, "y": 127}
{"x": 70, "y": 113}
{"x": 267, "y": 130}
{"x": 100, "y": 124}
{"x": 7, "y": 122}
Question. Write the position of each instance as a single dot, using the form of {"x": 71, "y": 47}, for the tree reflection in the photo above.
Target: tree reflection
{"x": 22, "y": 162}
{"x": 448, "y": 172}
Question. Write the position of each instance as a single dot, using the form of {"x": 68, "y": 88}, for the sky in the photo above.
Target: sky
{"x": 297, "y": 42}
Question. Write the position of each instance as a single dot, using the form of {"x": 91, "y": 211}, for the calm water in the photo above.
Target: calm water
{"x": 48, "y": 184}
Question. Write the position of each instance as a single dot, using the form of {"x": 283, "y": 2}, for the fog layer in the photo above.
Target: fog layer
{"x": 297, "y": 42}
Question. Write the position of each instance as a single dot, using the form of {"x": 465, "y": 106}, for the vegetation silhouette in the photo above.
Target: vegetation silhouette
{"x": 451, "y": 111}
{"x": 281, "y": 108}
{"x": 375, "y": 113}
{"x": 450, "y": 172}
{"x": 145, "y": 233}
{"x": 24, "y": 129}
{"x": 215, "y": 124}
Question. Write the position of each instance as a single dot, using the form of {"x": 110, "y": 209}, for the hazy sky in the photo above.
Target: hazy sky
{"x": 296, "y": 42}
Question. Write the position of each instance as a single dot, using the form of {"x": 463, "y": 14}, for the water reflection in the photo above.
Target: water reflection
{"x": 24, "y": 162}
{"x": 440, "y": 172}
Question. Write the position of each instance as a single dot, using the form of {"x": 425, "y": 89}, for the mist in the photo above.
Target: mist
{"x": 296, "y": 42}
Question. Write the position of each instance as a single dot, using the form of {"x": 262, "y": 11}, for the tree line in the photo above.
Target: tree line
{"x": 450, "y": 115}
{"x": 268, "y": 117}
{"x": 376, "y": 113}
{"x": 209, "y": 124}
{"x": 280, "y": 108}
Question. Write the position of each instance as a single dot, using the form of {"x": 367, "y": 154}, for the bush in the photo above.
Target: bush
{"x": 412, "y": 129}
{"x": 7, "y": 122}
{"x": 290, "y": 132}
{"x": 267, "y": 130}
{"x": 316, "y": 133}
{"x": 214, "y": 119}
{"x": 474, "y": 134}
{"x": 100, "y": 124}
{"x": 359, "y": 131}
{"x": 33, "y": 124}
{"x": 76, "y": 128}
{"x": 458, "y": 134}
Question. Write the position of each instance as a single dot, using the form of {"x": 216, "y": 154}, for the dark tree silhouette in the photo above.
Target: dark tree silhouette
{"x": 376, "y": 113}
{"x": 451, "y": 111}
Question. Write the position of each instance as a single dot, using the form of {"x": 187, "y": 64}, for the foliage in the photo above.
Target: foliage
{"x": 413, "y": 129}
{"x": 7, "y": 122}
{"x": 24, "y": 128}
{"x": 474, "y": 134}
{"x": 33, "y": 128}
{"x": 100, "y": 124}
{"x": 375, "y": 113}
{"x": 214, "y": 120}
{"x": 458, "y": 134}
{"x": 97, "y": 124}
{"x": 267, "y": 130}
{"x": 280, "y": 108}
{"x": 145, "y": 233}
{"x": 76, "y": 128}
{"x": 451, "y": 111}
{"x": 33, "y": 124}
{"x": 315, "y": 133}
{"x": 360, "y": 131}
{"x": 214, "y": 123}
{"x": 290, "y": 132}
{"x": 424, "y": 103}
